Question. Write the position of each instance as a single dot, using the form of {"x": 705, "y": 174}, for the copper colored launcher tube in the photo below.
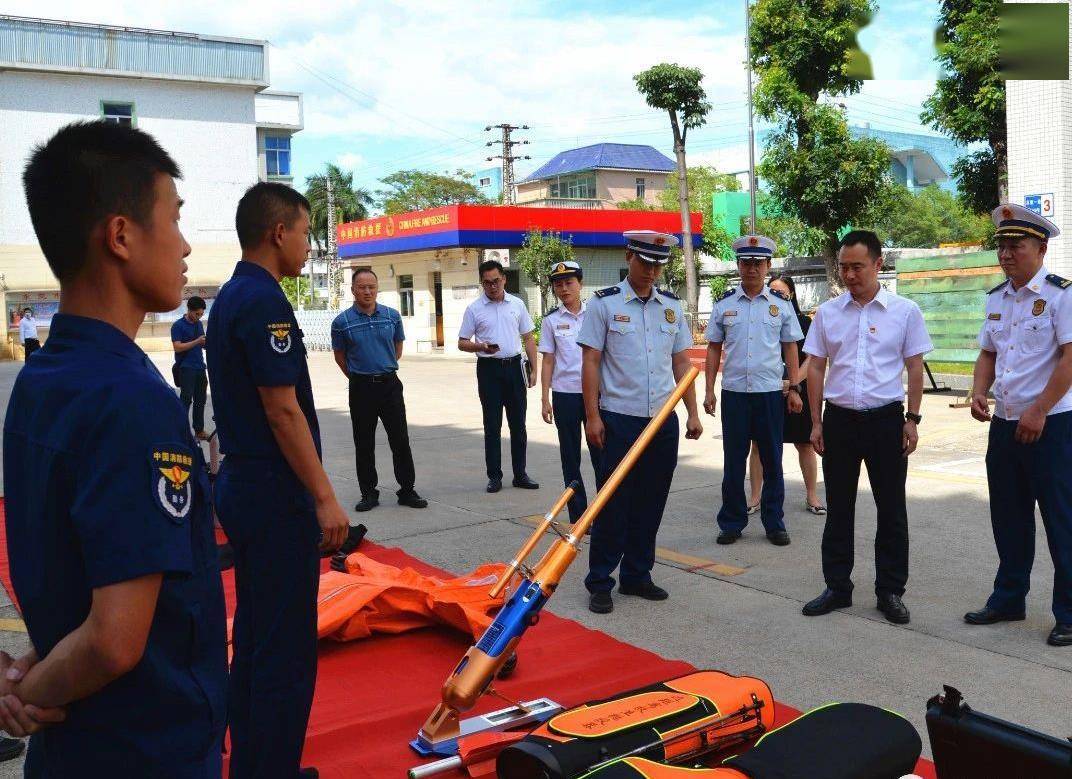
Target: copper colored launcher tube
{"x": 580, "y": 527}
{"x": 537, "y": 534}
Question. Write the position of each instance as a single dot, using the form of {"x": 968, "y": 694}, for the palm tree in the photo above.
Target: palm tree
{"x": 350, "y": 204}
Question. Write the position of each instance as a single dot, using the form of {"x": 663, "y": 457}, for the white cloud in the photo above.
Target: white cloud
{"x": 349, "y": 161}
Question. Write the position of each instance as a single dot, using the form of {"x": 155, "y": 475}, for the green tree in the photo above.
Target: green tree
{"x": 351, "y": 203}
{"x": 929, "y": 217}
{"x": 678, "y": 91}
{"x": 816, "y": 171}
{"x": 968, "y": 102}
{"x": 793, "y": 237}
{"x": 417, "y": 190}
{"x": 540, "y": 252}
{"x": 703, "y": 182}
{"x": 636, "y": 204}
{"x": 297, "y": 290}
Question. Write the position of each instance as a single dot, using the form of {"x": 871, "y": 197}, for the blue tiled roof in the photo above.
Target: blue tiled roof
{"x": 626, "y": 156}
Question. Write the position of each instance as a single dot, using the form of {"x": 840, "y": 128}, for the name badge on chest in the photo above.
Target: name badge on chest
{"x": 621, "y": 317}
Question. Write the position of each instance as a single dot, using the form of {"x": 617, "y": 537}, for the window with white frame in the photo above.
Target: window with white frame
{"x": 119, "y": 113}
{"x": 574, "y": 187}
{"x": 277, "y": 155}
{"x": 405, "y": 295}
{"x": 485, "y": 181}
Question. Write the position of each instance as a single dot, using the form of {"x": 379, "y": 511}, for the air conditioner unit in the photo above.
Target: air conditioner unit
{"x": 500, "y": 255}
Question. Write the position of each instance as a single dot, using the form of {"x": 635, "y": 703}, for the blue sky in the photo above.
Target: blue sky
{"x": 396, "y": 84}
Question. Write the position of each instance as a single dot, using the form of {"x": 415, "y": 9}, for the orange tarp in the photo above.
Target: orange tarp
{"x": 373, "y": 597}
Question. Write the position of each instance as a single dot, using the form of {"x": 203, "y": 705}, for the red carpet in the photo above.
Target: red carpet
{"x": 373, "y": 695}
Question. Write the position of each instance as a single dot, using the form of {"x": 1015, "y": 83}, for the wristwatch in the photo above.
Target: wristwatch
{"x": 797, "y": 388}
{"x": 913, "y": 417}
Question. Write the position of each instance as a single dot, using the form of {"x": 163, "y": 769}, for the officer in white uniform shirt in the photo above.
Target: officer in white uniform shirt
{"x": 28, "y": 333}
{"x": 634, "y": 339}
{"x": 1025, "y": 355}
{"x": 493, "y": 328}
{"x": 560, "y": 378}
{"x": 869, "y": 337}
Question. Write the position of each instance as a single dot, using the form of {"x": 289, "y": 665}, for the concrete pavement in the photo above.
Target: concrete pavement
{"x": 735, "y": 608}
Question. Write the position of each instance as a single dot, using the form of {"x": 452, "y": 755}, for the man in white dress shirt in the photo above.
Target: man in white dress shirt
{"x": 868, "y": 336}
{"x": 1025, "y": 355}
{"x": 28, "y": 333}
{"x": 493, "y": 328}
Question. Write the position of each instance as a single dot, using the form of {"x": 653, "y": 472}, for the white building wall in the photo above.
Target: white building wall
{"x": 1039, "y": 119}
{"x": 209, "y": 130}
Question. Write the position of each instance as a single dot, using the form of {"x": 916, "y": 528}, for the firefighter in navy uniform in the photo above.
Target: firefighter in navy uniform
{"x": 272, "y": 496}
{"x": 634, "y": 339}
{"x": 1026, "y": 356}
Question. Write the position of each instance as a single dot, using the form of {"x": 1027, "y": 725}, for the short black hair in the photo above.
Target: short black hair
{"x": 195, "y": 303}
{"x": 262, "y": 207}
{"x": 865, "y": 237}
{"x": 487, "y": 265}
{"x": 84, "y": 173}
{"x": 27, "y": 309}
{"x": 359, "y": 271}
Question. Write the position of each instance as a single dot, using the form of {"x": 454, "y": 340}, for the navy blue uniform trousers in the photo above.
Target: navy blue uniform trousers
{"x": 747, "y": 417}
{"x": 271, "y": 523}
{"x": 501, "y": 385}
{"x": 568, "y": 408}
{"x": 625, "y": 531}
{"x": 1021, "y": 475}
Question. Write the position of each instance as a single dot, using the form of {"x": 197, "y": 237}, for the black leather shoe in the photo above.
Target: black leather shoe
{"x": 826, "y": 603}
{"x": 494, "y": 485}
{"x": 1061, "y": 635}
{"x": 647, "y": 591}
{"x": 600, "y": 603}
{"x": 989, "y": 616}
{"x": 525, "y": 483}
{"x": 895, "y": 610}
{"x": 412, "y": 499}
{"x": 10, "y": 748}
{"x": 309, "y": 773}
{"x": 367, "y": 503}
{"x": 728, "y": 537}
{"x": 778, "y": 538}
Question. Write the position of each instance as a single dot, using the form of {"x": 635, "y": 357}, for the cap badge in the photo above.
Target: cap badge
{"x": 660, "y": 241}
{"x": 560, "y": 268}
{"x": 1006, "y": 212}
{"x": 753, "y": 241}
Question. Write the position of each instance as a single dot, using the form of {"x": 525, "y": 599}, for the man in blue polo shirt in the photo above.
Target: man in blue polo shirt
{"x": 109, "y": 528}
{"x": 367, "y": 340}
{"x": 190, "y": 373}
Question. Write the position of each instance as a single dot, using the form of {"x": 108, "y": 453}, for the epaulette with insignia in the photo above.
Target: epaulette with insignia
{"x": 727, "y": 294}
{"x": 550, "y": 311}
{"x": 999, "y": 286}
{"x": 1063, "y": 283}
{"x": 778, "y": 293}
{"x": 667, "y": 293}
{"x": 602, "y": 293}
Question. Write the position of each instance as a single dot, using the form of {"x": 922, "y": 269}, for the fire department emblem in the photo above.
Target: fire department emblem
{"x": 390, "y": 226}
{"x": 171, "y": 470}
{"x": 1039, "y": 307}
{"x": 773, "y": 310}
{"x": 753, "y": 241}
{"x": 660, "y": 241}
{"x": 560, "y": 268}
{"x": 671, "y": 315}
{"x": 279, "y": 337}
{"x": 1006, "y": 213}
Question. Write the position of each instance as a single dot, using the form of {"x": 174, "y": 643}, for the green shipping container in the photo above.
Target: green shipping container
{"x": 951, "y": 293}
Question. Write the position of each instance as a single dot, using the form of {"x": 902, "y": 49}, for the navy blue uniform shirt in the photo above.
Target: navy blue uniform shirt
{"x": 105, "y": 484}
{"x": 185, "y": 331}
{"x": 254, "y": 341}
{"x": 369, "y": 341}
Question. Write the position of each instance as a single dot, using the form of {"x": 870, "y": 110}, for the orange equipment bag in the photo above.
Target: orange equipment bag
{"x": 373, "y": 597}
{"x": 671, "y": 721}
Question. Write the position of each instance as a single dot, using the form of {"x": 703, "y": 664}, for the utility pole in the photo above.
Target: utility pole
{"x": 334, "y": 271}
{"x": 751, "y": 131}
{"x": 507, "y": 157}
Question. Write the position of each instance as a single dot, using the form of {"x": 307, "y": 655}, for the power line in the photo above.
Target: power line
{"x": 507, "y": 156}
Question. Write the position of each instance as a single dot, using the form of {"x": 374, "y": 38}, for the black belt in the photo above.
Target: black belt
{"x": 896, "y": 407}
{"x": 373, "y": 378}
{"x": 515, "y": 358}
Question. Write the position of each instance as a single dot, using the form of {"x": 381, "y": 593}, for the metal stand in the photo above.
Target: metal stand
{"x": 935, "y": 387}
{"x": 527, "y": 713}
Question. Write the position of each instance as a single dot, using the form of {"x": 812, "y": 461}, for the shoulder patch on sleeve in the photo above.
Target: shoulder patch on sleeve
{"x": 602, "y": 293}
{"x": 999, "y": 286}
{"x": 550, "y": 311}
{"x": 779, "y": 294}
{"x": 279, "y": 337}
{"x": 667, "y": 293}
{"x": 727, "y": 294}
{"x": 171, "y": 472}
{"x": 1063, "y": 283}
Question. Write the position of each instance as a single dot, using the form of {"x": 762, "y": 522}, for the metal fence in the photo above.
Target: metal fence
{"x": 316, "y": 329}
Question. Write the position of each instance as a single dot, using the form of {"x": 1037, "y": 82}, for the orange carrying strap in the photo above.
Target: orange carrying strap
{"x": 640, "y": 768}
{"x": 373, "y": 597}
